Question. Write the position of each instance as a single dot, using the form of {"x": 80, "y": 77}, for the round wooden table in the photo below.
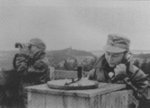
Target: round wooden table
{"x": 69, "y": 84}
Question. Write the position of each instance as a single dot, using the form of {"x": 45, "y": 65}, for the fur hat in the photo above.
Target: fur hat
{"x": 38, "y": 42}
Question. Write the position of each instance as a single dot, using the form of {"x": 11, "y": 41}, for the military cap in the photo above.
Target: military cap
{"x": 38, "y": 42}
{"x": 117, "y": 44}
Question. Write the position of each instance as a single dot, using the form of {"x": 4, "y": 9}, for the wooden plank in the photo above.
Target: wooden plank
{"x": 114, "y": 99}
{"x": 64, "y": 74}
{"x": 36, "y": 100}
{"x": 103, "y": 88}
{"x": 118, "y": 99}
{"x": 148, "y": 93}
{"x": 95, "y": 101}
{"x": 68, "y": 84}
{"x": 132, "y": 101}
{"x": 53, "y": 101}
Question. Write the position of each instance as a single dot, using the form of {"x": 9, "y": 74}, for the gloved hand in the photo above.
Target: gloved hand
{"x": 120, "y": 71}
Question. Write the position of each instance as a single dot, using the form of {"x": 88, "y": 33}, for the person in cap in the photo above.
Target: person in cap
{"x": 116, "y": 66}
{"x": 32, "y": 67}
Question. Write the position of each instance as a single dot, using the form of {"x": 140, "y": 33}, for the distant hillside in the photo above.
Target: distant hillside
{"x": 70, "y": 51}
{"x": 140, "y": 51}
{"x": 136, "y": 52}
{"x": 142, "y": 56}
{"x": 6, "y": 57}
{"x": 58, "y": 55}
{"x": 97, "y": 53}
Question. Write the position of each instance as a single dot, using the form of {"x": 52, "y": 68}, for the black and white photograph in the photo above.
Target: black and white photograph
{"x": 74, "y": 54}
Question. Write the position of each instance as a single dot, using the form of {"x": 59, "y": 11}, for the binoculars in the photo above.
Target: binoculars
{"x": 20, "y": 45}
{"x": 23, "y": 48}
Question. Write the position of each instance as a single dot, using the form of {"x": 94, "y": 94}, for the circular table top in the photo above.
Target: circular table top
{"x": 68, "y": 84}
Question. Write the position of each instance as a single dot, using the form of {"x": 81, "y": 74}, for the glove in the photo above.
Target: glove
{"x": 120, "y": 69}
{"x": 120, "y": 72}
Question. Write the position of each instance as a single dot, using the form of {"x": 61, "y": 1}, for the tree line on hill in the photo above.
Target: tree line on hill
{"x": 144, "y": 65}
{"x": 68, "y": 58}
{"x": 143, "y": 62}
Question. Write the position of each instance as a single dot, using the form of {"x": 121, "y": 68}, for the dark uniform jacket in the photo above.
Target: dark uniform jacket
{"x": 9, "y": 89}
{"x": 136, "y": 76}
{"x": 32, "y": 70}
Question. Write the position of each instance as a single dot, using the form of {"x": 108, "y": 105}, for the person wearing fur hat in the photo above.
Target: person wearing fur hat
{"x": 116, "y": 66}
{"x": 32, "y": 67}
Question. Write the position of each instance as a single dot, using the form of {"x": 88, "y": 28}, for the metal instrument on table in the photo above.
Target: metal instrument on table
{"x": 79, "y": 74}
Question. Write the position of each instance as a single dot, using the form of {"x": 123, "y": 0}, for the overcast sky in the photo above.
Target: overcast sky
{"x": 82, "y": 24}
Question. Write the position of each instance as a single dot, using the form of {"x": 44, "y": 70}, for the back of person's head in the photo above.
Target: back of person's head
{"x": 38, "y": 43}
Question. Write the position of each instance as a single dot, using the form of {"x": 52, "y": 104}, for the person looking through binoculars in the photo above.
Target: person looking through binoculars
{"x": 31, "y": 64}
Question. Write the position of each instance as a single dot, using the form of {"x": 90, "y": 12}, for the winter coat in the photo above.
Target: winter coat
{"x": 32, "y": 70}
{"x": 136, "y": 76}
